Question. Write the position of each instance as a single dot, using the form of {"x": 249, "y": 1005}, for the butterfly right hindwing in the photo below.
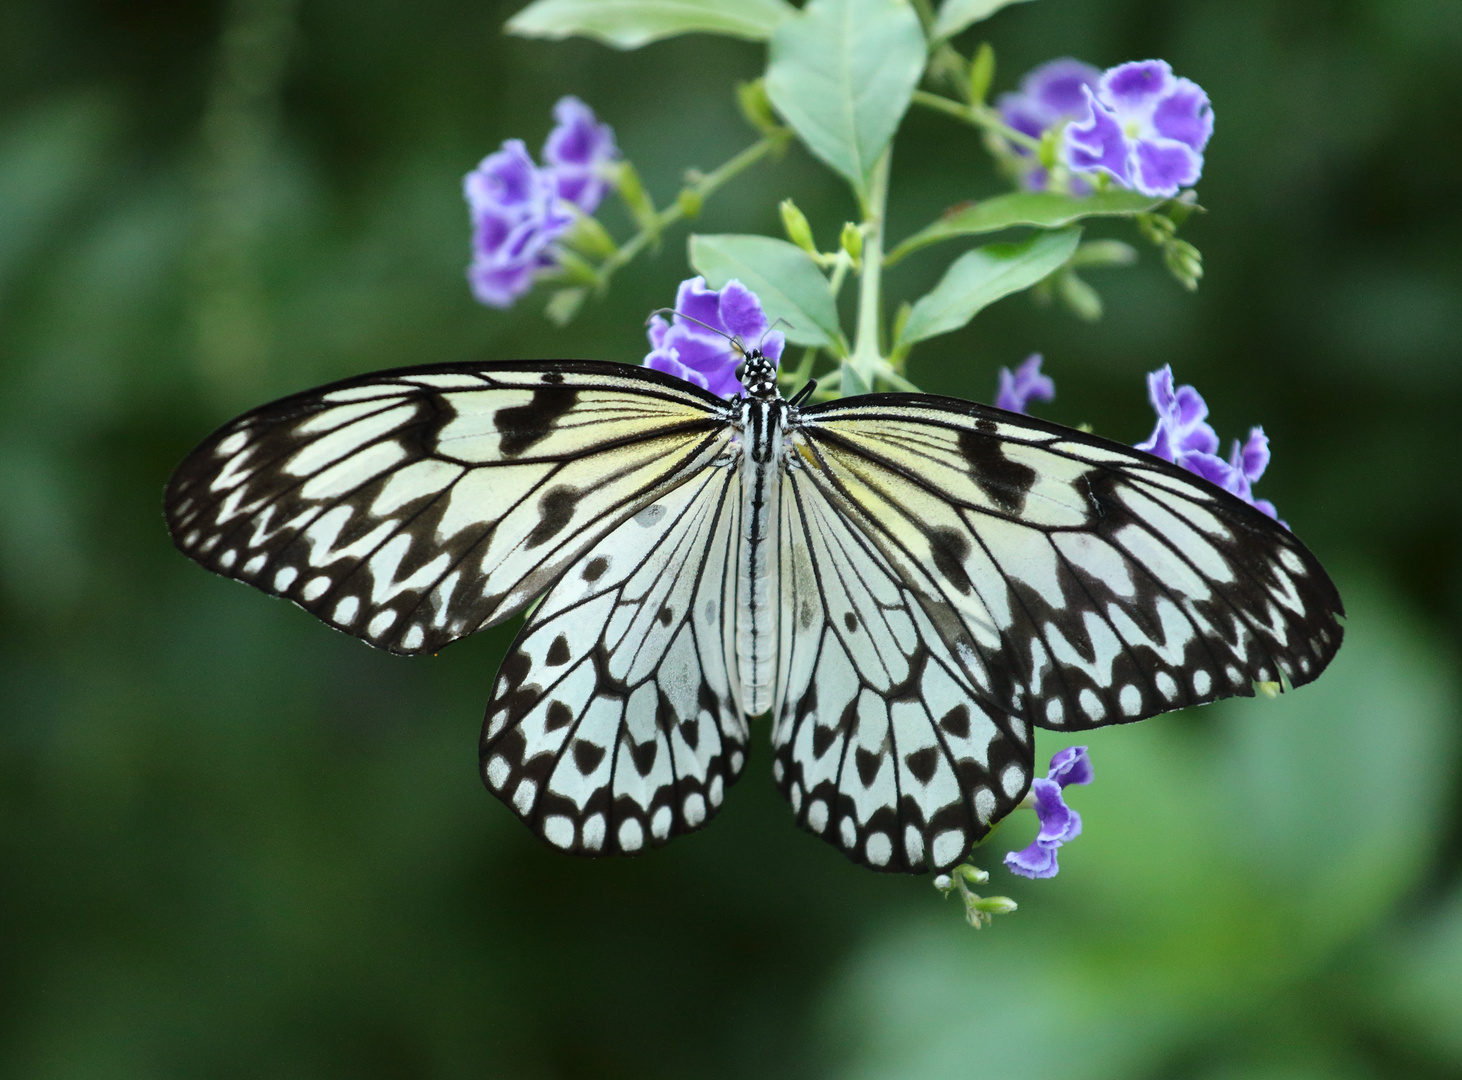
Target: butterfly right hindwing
{"x": 885, "y": 745}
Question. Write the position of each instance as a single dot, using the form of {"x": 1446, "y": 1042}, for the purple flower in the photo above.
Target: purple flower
{"x": 577, "y": 151}
{"x": 519, "y": 209}
{"x": 1182, "y": 436}
{"x": 1017, "y": 390}
{"x": 516, "y": 215}
{"x": 700, "y": 355}
{"x": 1142, "y": 127}
{"x": 1050, "y": 95}
{"x": 1059, "y": 823}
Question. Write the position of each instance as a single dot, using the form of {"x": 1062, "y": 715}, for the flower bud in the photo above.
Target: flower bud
{"x": 756, "y": 106}
{"x": 798, "y": 230}
{"x": 852, "y": 240}
{"x": 627, "y": 181}
{"x": 994, "y": 905}
{"x": 982, "y": 73}
{"x": 690, "y": 202}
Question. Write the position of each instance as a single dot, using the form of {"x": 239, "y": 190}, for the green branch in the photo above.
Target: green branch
{"x": 687, "y": 204}
{"x": 977, "y": 115}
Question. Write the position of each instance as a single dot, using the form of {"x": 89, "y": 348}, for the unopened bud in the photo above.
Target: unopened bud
{"x": 690, "y": 202}
{"x": 982, "y": 73}
{"x": 852, "y": 240}
{"x": 1080, "y": 297}
{"x": 798, "y": 230}
{"x": 756, "y": 106}
{"x": 627, "y": 181}
{"x": 994, "y": 905}
{"x": 590, "y": 238}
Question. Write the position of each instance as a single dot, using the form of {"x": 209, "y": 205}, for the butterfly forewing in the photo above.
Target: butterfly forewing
{"x": 412, "y": 507}
{"x": 1098, "y": 584}
{"x": 614, "y": 723}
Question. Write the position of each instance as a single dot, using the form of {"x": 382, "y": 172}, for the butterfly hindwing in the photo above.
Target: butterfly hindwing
{"x": 1098, "y": 584}
{"x": 413, "y": 507}
{"x": 883, "y": 744}
{"x": 614, "y": 724}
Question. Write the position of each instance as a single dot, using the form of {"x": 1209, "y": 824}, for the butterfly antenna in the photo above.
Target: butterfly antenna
{"x": 732, "y": 338}
{"x": 802, "y": 395}
{"x": 770, "y": 328}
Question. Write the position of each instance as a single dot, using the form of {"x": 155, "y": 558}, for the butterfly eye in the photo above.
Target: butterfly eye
{"x": 741, "y": 371}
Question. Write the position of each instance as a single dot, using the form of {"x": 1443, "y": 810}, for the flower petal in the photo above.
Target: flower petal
{"x": 1165, "y": 166}
{"x": 696, "y": 301}
{"x": 1026, "y": 382}
{"x": 1185, "y": 115}
{"x": 1096, "y": 143}
{"x": 1059, "y": 822}
{"x": 1071, "y": 766}
{"x": 1024, "y": 115}
{"x": 741, "y": 313}
{"x": 1056, "y": 87}
{"x": 668, "y": 361}
{"x": 1133, "y": 90}
{"x": 1035, "y": 861}
{"x": 499, "y": 286}
{"x": 577, "y": 150}
{"x": 1253, "y": 458}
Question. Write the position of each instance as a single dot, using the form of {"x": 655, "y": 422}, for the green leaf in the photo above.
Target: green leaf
{"x": 956, "y": 15}
{"x": 628, "y": 24}
{"x": 980, "y": 277}
{"x": 852, "y": 383}
{"x": 782, "y": 275}
{"x": 842, "y": 73}
{"x": 1043, "y": 209}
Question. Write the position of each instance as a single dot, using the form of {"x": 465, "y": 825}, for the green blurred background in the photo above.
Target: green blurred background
{"x": 235, "y": 844}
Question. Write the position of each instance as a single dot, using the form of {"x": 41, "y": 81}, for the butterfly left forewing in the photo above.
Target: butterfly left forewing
{"x": 614, "y": 724}
{"x": 1100, "y": 584}
{"x": 414, "y": 506}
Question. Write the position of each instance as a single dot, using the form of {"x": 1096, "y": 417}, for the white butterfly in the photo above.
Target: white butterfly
{"x": 905, "y": 583}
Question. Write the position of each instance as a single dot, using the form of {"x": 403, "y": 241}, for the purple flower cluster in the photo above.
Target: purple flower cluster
{"x": 519, "y": 209}
{"x": 1183, "y": 436}
{"x": 1050, "y": 96}
{"x": 701, "y": 351}
{"x": 1026, "y": 382}
{"x": 1142, "y": 127}
{"x": 1058, "y": 822}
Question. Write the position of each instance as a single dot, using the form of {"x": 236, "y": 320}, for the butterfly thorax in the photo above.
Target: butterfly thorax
{"x": 762, "y": 422}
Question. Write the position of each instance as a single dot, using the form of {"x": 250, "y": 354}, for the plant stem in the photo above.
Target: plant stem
{"x": 866, "y": 358}
{"x": 980, "y": 116}
{"x": 701, "y": 189}
{"x": 926, "y": 16}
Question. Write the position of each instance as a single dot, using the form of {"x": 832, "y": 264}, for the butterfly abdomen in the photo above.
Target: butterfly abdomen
{"x": 757, "y": 576}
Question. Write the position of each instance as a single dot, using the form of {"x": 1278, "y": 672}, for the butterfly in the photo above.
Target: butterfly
{"x": 905, "y": 584}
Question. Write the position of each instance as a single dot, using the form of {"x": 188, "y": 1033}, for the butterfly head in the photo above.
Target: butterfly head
{"x": 758, "y": 375}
